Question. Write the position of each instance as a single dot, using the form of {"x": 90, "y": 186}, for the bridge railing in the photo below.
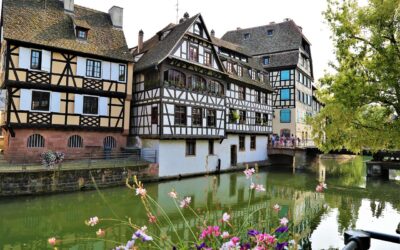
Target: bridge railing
{"x": 292, "y": 143}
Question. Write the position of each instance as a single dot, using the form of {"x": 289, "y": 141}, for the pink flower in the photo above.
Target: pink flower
{"x": 226, "y": 217}
{"x": 152, "y": 218}
{"x": 319, "y": 189}
{"x": 249, "y": 172}
{"x": 141, "y": 191}
{"x": 173, "y": 194}
{"x": 100, "y": 232}
{"x": 235, "y": 240}
{"x": 92, "y": 221}
{"x": 260, "y": 188}
{"x": 284, "y": 221}
{"x": 52, "y": 241}
{"x": 185, "y": 202}
{"x": 276, "y": 207}
{"x": 252, "y": 185}
{"x": 225, "y": 235}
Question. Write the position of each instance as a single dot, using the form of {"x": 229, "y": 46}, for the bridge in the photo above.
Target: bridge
{"x": 295, "y": 155}
{"x": 382, "y": 162}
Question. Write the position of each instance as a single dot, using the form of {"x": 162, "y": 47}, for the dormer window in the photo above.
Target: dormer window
{"x": 270, "y": 32}
{"x": 266, "y": 60}
{"x": 253, "y": 74}
{"x": 197, "y": 29}
{"x": 246, "y": 36}
{"x": 81, "y": 33}
{"x": 240, "y": 71}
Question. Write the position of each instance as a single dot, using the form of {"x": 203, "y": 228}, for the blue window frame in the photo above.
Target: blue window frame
{"x": 285, "y": 75}
{"x": 285, "y": 94}
{"x": 285, "y": 115}
{"x": 266, "y": 60}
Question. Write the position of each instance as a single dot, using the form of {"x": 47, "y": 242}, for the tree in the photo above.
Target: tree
{"x": 362, "y": 97}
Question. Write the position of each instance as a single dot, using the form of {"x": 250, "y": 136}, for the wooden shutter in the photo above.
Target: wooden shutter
{"x": 24, "y": 58}
{"x": 103, "y": 106}
{"x": 46, "y": 60}
{"x": 81, "y": 66}
{"x": 78, "y": 104}
{"x": 55, "y": 100}
{"x": 25, "y": 100}
{"x": 106, "y": 70}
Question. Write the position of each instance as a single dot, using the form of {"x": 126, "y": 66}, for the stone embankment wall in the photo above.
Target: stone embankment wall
{"x": 57, "y": 181}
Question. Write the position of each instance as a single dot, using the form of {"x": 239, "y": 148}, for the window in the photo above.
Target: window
{"x": 258, "y": 118}
{"x": 190, "y": 147}
{"x": 193, "y": 53}
{"x": 285, "y": 75}
{"x": 216, "y": 87}
{"x": 242, "y": 117}
{"x": 240, "y": 71}
{"x": 285, "y": 115}
{"x": 36, "y": 59}
{"x": 40, "y": 101}
{"x": 197, "y": 29}
{"x": 242, "y": 94}
{"x": 174, "y": 78}
{"x": 229, "y": 67}
{"x": 266, "y": 98}
{"x": 246, "y": 36}
{"x": 265, "y": 119}
{"x": 299, "y": 95}
{"x": 180, "y": 115}
{"x": 285, "y": 94}
{"x": 109, "y": 142}
{"x": 210, "y": 147}
{"x": 93, "y": 68}
{"x": 242, "y": 143}
{"x": 207, "y": 58}
{"x": 81, "y": 33}
{"x": 121, "y": 75}
{"x": 75, "y": 141}
{"x": 270, "y": 32}
{"x": 197, "y": 83}
{"x": 303, "y": 98}
{"x": 258, "y": 96}
{"x": 90, "y": 105}
{"x": 261, "y": 76}
{"x": 231, "y": 116}
{"x": 154, "y": 115}
{"x": 253, "y": 142}
{"x": 35, "y": 141}
{"x": 266, "y": 60}
{"x": 197, "y": 118}
{"x": 211, "y": 118}
{"x": 252, "y": 74}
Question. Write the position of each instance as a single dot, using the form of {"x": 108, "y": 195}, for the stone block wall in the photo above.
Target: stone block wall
{"x": 54, "y": 181}
{"x": 57, "y": 140}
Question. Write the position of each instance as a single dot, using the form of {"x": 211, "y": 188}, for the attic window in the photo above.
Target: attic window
{"x": 270, "y": 32}
{"x": 197, "y": 29}
{"x": 246, "y": 36}
{"x": 81, "y": 33}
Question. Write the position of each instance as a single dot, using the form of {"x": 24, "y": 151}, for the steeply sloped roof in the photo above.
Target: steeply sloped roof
{"x": 44, "y": 22}
{"x": 284, "y": 59}
{"x": 156, "y": 50}
{"x": 286, "y": 36}
{"x": 231, "y": 46}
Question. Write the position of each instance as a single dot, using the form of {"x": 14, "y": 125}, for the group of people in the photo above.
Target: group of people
{"x": 284, "y": 141}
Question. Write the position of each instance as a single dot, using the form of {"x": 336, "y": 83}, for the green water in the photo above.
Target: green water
{"x": 351, "y": 201}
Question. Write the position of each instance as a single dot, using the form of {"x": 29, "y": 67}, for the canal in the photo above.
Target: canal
{"x": 319, "y": 219}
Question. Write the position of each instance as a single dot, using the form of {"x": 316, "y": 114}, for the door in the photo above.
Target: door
{"x": 233, "y": 155}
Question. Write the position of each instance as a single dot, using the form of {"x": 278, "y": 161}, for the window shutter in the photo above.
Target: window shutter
{"x": 106, "y": 70}
{"x": 114, "y": 71}
{"x": 24, "y": 58}
{"x": 103, "y": 106}
{"x": 81, "y": 66}
{"x": 46, "y": 60}
{"x": 55, "y": 102}
{"x": 78, "y": 105}
{"x": 25, "y": 99}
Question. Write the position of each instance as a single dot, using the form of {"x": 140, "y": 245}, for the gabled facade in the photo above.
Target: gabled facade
{"x": 180, "y": 105}
{"x": 285, "y": 53}
{"x": 68, "y": 73}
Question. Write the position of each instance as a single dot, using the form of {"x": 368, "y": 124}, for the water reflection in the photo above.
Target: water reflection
{"x": 319, "y": 219}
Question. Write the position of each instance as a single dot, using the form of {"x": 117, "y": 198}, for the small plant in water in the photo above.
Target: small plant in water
{"x": 225, "y": 234}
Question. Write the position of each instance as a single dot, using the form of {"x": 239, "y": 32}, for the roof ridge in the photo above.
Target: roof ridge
{"x": 261, "y": 26}
{"x": 90, "y": 9}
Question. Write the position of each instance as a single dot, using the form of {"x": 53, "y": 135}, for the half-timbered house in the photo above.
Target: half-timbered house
{"x": 248, "y": 103}
{"x": 285, "y": 53}
{"x": 67, "y": 72}
{"x": 180, "y": 100}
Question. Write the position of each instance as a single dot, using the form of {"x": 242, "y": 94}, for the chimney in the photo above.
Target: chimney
{"x": 238, "y": 28}
{"x": 140, "y": 41}
{"x": 287, "y": 19}
{"x": 186, "y": 16}
{"x": 116, "y": 14}
{"x": 213, "y": 33}
{"x": 68, "y": 6}
{"x": 301, "y": 28}
{"x": 272, "y": 22}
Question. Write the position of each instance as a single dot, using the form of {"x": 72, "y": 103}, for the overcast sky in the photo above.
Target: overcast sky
{"x": 225, "y": 15}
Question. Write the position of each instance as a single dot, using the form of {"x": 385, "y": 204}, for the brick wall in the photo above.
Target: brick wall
{"x": 16, "y": 147}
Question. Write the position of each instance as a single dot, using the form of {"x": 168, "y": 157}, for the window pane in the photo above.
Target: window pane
{"x": 285, "y": 94}
{"x": 93, "y": 68}
{"x": 210, "y": 118}
{"x": 36, "y": 57}
{"x": 90, "y": 105}
{"x": 285, "y": 75}
{"x": 196, "y": 117}
{"x": 154, "y": 115}
{"x": 285, "y": 115}
{"x": 40, "y": 101}
{"x": 121, "y": 76}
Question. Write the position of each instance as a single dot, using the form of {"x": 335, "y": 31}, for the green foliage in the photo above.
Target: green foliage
{"x": 362, "y": 98}
{"x": 235, "y": 115}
